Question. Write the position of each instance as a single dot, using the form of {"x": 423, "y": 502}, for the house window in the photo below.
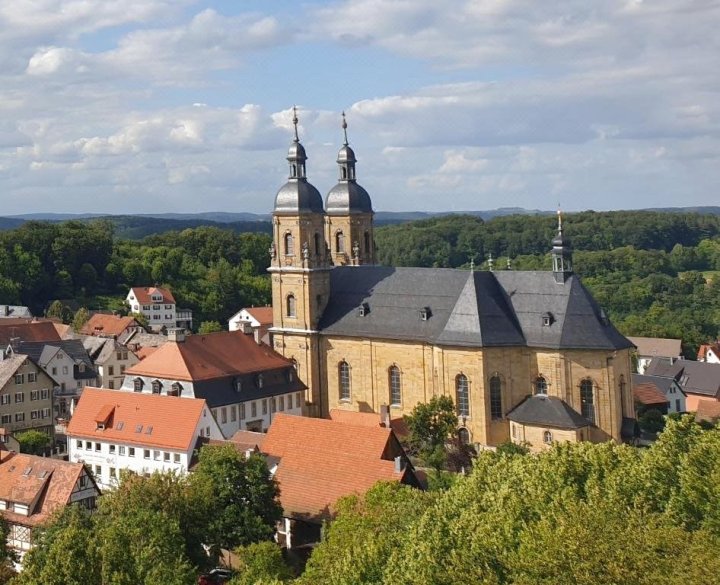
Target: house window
{"x": 34, "y": 395}
{"x": 344, "y": 380}
{"x": 540, "y": 385}
{"x": 98, "y": 446}
{"x": 291, "y": 306}
{"x": 273, "y": 404}
{"x": 111, "y": 370}
{"x": 112, "y": 472}
{"x": 587, "y": 405}
{"x": 223, "y": 415}
{"x": 462, "y": 397}
{"x": 677, "y": 405}
{"x": 547, "y": 437}
{"x": 395, "y": 386}
{"x": 238, "y": 384}
{"x": 65, "y": 370}
{"x": 19, "y": 416}
{"x": 242, "y": 411}
{"x": 111, "y": 384}
{"x": 298, "y": 400}
{"x": 122, "y": 369}
{"x": 121, "y": 450}
{"x": 98, "y": 470}
{"x": 156, "y": 455}
{"x": 496, "y": 410}
{"x": 32, "y": 377}
{"x": 78, "y": 444}
{"x": 264, "y": 406}
{"x": 282, "y": 403}
{"x": 138, "y": 384}
{"x": 6, "y": 419}
{"x": 233, "y": 413}
{"x": 44, "y": 394}
{"x": 166, "y": 457}
{"x": 176, "y": 457}
{"x": 131, "y": 451}
{"x": 112, "y": 449}
{"x": 253, "y": 409}
{"x": 19, "y": 397}
{"x": 146, "y": 453}
{"x": 20, "y": 378}
{"x": 289, "y": 245}
{"x": 5, "y": 399}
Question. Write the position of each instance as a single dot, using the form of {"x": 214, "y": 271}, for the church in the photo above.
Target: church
{"x": 527, "y": 356}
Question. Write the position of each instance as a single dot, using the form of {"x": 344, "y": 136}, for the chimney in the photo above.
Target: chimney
{"x": 399, "y": 464}
{"x": 385, "y": 416}
{"x": 176, "y": 334}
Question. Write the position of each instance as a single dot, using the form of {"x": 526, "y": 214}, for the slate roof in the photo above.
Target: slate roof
{"x": 664, "y": 384}
{"x": 657, "y": 346}
{"x": 699, "y": 378}
{"x": 42, "y": 351}
{"x": 547, "y": 411}
{"x": 43, "y": 484}
{"x": 322, "y": 460}
{"x": 172, "y": 421}
{"x": 477, "y": 309}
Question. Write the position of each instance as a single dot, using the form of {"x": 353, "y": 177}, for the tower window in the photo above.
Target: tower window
{"x": 343, "y": 173}
{"x": 462, "y": 396}
{"x": 317, "y": 244}
{"x": 540, "y": 385}
{"x": 344, "y": 380}
{"x": 395, "y": 386}
{"x": 340, "y": 243}
{"x": 367, "y": 242}
{"x": 291, "y": 310}
{"x": 289, "y": 244}
{"x": 495, "y": 397}
{"x": 587, "y": 400}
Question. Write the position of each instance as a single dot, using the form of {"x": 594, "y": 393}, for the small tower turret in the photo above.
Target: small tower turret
{"x": 561, "y": 254}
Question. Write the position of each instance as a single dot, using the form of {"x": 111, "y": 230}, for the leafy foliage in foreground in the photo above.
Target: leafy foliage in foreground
{"x": 580, "y": 513}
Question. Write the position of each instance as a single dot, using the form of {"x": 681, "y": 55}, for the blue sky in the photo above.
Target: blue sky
{"x": 146, "y": 106}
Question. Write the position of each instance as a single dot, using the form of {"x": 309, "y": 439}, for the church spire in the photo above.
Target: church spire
{"x": 346, "y": 157}
{"x": 296, "y": 153}
{"x": 561, "y": 253}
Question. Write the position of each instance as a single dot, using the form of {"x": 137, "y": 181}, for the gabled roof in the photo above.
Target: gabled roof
{"x": 108, "y": 325}
{"x": 147, "y": 419}
{"x": 9, "y": 365}
{"x": 144, "y": 294}
{"x": 263, "y": 315}
{"x": 699, "y": 378}
{"x": 648, "y": 394}
{"x": 662, "y": 383}
{"x": 205, "y": 357}
{"x": 27, "y": 330}
{"x": 368, "y": 419}
{"x": 657, "y": 346}
{"x": 14, "y": 311}
{"x": 705, "y": 347}
{"x": 248, "y": 440}
{"x": 43, "y": 484}
{"x": 40, "y": 351}
{"x": 547, "y": 411}
{"x": 478, "y": 309}
{"x": 322, "y": 460}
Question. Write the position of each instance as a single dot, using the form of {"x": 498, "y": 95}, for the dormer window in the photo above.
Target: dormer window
{"x": 138, "y": 384}
{"x": 175, "y": 389}
{"x": 237, "y": 383}
{"x": 290, "y": 374}
{"x": 363, "y": 309}
{"x": 259, "y": 380}
{"x": 547, "y": 319}
{"x": 156, "y": 386}
{"x": 425, "y": 313}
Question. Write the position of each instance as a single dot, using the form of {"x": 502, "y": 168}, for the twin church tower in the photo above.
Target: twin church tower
{"x": 309, "y": 239}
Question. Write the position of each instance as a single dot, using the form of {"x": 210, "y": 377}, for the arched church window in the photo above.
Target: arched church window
{"x": 340, "y": 243}
{"x": 289, "y": 244}
{"x": 395, "y": 386}
{"x": 496, "y": 410}
{"x": 462, "y": 396}
{"x": 547, "y": 437}
{"x": 587, "y": 400}
{"x": 344, "y": 380}
{"x": 540, "y": 385}
{"x": 463, "y": 436}
{"x": 291, "y": 311}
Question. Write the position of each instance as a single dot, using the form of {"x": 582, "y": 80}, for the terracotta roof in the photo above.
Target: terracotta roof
{"x": 110, "y": 325}
{"x": 702, "y": 351}
{"x": 368, "y": 419}
{"x": 64, "y": 331}
{"x": 248, "y": 439}
{"x": 143, "y": 352}
{"x": 648, "y": 394}
{"x": 171, "y": 421}
{"x": 205, "y": 357}
{"x": 264, "y": 315}
{"x": 657, "y": 346}
{"x": 707, "y": 410}
{"x": 143, "y": 294}
{"x": 42, "y": 483}
{"x": 322, "y": 460}
{"x": 27, "y": 330}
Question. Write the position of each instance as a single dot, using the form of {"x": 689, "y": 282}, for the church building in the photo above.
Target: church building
{"x": 527, "y": 356}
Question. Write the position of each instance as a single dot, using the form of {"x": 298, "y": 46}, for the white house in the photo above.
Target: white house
{"x": 260, "y": 319}
{"x": 709, "y": 352}
{"x": 112, "y": 431}
{"x": 243, "y": 382}
{"x": 157, "y": 304}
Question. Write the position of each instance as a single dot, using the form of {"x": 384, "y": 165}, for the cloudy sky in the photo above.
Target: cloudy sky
{"x": 185, "y": 105}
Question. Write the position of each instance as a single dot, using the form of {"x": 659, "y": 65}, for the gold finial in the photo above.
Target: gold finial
{"x": 344, "y": 127}
{"x": 559, "y": 214}
{"x": 295, "y": 123}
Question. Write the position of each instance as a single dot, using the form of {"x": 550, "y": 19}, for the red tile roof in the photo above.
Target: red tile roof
{"x": 264, "y": 315}
{"x": 205, "y": 357}
{"x": 143, "y": 294}
{"x": 110, "y": 325}
{"x": 708, "y": 410}
{"x": 649, "y": 394}
{"x": 322, "y": 460}
{"x": 248, "y": 439}
{"x": 42, "y": 483}
{"x": 702, "y": 351}
{"x": 172, "y": 421}
{"x": 368, "y": 419}
{"x": 27, "y": 330}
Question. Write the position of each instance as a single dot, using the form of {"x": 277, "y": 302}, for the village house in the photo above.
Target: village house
{"x": 158, "y": 306}
{"x": 317, "y": 461}
{"x": 111, "y": 359}
{"x": 33, "y": 488}
{"x": 26, "y": 396}
{"x": 113, "y": 326}
{"x": 28, "y": 330}
{"x": 113, "y": 431}
{"x": 668, "y": 387}
{"x": 709, "y": 352}
{"x": 15, "y": 311}
{"x": 260, "y": 319}
{"x": 649, "y": 348}
{"x": 699, "y": 381}
{"x": 244, "y": 382}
